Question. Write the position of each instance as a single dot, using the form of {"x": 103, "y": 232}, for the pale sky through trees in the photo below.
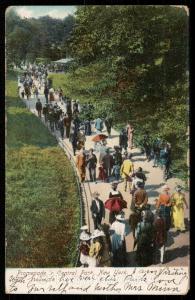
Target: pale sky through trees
{"x": 57, "y": 12}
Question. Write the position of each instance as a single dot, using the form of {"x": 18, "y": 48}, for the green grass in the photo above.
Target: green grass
{"x": 42, "y": 207}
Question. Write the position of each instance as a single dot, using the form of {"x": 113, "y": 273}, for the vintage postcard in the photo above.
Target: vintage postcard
{"x": 97, "y": 150}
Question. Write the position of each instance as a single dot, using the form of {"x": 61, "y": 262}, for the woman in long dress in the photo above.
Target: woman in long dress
{"x": 113, "y": 194}
{"x": 130, "y": 135}
{"x": 95, "y": 248}
{"x": 118, "y": 233}
{"x": 144, "y": 235}
{"x": 81, "y": 164}
{"x": 164, "y": 205}
{"x": 84, "y": 248}
{"x": 178, "y": 200}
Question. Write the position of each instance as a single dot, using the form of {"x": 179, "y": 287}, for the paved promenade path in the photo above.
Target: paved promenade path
{"x": 177, "y": 251}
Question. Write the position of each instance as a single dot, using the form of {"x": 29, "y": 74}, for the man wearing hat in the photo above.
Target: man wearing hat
{"x": 97, "y": 209}
{"x": 91, "y": 164}
{"x": 126, "y": 171}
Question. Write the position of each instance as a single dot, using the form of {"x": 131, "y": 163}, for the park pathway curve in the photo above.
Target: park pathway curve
{"x": 178, "y": 245}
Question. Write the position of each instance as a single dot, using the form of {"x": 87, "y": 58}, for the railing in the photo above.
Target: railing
{"x": 81, "y": 199}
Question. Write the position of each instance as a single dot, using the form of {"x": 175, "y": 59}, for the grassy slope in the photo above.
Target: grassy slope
{"x": 42, "y": 208}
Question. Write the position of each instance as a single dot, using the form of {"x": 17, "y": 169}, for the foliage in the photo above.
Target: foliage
{"x": 27, "y": 39}
{"x": 133, "y": 60}
{"x": 42, "y": 208}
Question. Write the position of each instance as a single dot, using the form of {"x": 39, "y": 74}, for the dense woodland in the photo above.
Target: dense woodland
{"x": 130, "y": 61}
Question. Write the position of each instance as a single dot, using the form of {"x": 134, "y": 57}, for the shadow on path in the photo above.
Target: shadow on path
{"x": 177, "y": 252}
{"x": 153, "y": 186}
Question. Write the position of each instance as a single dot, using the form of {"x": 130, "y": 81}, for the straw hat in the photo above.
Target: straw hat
{"x": 84, "y": 227}
{"x": 84, "y": 236}
{"x": 120, "y": 217}
{"x": 114, "y": 183}
{"x": 95, "y": 194}
{"x": 97, "y": 233}
{"x": 165, "y": 187}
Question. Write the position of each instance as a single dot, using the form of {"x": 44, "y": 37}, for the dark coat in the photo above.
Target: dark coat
{"x": 38, "y": 106}
{"x": 94, "y": 209}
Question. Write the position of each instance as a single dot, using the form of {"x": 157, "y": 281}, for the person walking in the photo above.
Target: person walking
{"x": 81, "y": 138}
{"x": 73, "y": 140}
{"x": 139, "y": 176}
{"x": 165, "y": 160}
{"x": 67, "y": 124}
{"x": 39, "y": 107}
{"x": 61, "y": 126}
{"x": 114, "y": 193}
{"x": 84, "y": 247}
{"x": 45, "y": 112}
{"x": 36, "y": 92}
{"x": 116, "y": 172}
{"x": 108, "y": 124}
{"x": 147, "y": 146}
{"x": 164, "y": 205}
{"x": 178, "y": 200}
{"x": 156, "y": 152}
{"x": 46, "y": 93}
{"x": 140, "y": 197}
{"x": 160, "y": 237}
{"x": 102, "y": 173}
{"x": 123, "y": 139}
{"x": 99, "y": 125}
{"x": 51, "y": 119}
{"x": 144, "y": 235}
{"x": 81, "y": 164}
{"x": 95, "y": 250}
{"x": 126, "y": 172}
{"x": 87, "y": 125}
{"x": 108, "y": 163}
{"x": 91, "y": 164}
{"x": 97, "y": 210}
{"x": 117, "y": 235}
{"x": 117, "y": 156}
{"x": 130, "y": 131}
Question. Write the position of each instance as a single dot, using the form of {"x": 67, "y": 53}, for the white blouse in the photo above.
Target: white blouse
{"x": 119, "y": 228}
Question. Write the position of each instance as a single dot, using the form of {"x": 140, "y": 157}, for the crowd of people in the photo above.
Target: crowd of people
{"x": 106, "y": 245}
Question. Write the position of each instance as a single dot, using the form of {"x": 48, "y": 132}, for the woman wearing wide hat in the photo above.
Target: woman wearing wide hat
{"x": 115, "y": 203}
{"x": 95, "y": 251}
{"x": 178, "y": 200}
{"x": 84, "y": 248}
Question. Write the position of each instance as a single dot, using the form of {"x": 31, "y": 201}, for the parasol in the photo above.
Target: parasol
{"x": 115, "y": 204}
{"x": 99, "y": 137}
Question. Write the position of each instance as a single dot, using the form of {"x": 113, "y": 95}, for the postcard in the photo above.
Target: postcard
{"x": 97, "y": 150}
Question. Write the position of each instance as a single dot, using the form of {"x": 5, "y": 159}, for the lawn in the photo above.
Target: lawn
{"x": 42, "y": 200}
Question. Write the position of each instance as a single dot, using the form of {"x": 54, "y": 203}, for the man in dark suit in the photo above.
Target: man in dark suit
{"x": 97, "y": 209}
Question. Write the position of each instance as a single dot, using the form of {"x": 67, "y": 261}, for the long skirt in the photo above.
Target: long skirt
{"x": 144, "y": 254}
{"x": 82, "y": 173}
{"x": 118, "y": 251}
{"x": 178, "y": 217}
